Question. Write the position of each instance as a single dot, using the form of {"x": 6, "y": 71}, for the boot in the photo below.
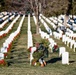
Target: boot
{"x": 42, "y": 65}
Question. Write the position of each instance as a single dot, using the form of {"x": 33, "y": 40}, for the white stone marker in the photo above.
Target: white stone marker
{"x": 61, "y": 50}
{"x": 65, "y": 58}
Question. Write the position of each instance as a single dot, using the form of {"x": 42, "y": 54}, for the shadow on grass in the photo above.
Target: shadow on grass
{"x": 71, "y": 62}
{"x": 53, "y": 60}
{"x": 19, "y": 59}
{"x": 10, "y": 62}
{"x": 15, "y": 62}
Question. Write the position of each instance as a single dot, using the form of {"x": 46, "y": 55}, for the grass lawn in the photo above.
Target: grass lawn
{"x": 19, "y": 61}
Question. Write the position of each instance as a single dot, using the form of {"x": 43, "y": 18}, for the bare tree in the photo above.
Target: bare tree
{"x": 35, "y": 6}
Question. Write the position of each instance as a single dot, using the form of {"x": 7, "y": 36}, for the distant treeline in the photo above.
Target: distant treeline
{"x": 52, "y": 7}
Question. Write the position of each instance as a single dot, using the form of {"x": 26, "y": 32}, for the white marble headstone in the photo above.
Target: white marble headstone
{"x": 61, "y": 50}
{"x": 65, "y": 58}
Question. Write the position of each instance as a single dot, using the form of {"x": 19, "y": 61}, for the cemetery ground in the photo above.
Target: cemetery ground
{"x": 18, "y": 61}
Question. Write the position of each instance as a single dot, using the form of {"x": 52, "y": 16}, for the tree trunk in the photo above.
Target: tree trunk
{"x": 37, "y": 26}
{"x": 37, "y": 16}
{"x": 36, "y": 12}
{"x": 66, "y": 18}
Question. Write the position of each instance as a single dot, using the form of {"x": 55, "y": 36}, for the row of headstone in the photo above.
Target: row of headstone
{"x": 56, "y": 20}
{"x": 4, "y": 32}
{"x": 30, "y": 39}
{"x": 46, "y": 26}
{"x": 68, "y": 31}
{"x": 50, "y": 22}
{"x": 29, "y": 33}
{"x": 60, "y": 28}
{"x": 60, "y": 23}
{"x": 69, "y": 42}
{"x": 69, "y": 39}
{"x": 57, "y": 35}
{"x": 1, "y": 54}
{"x": 8, "y": 42}
{"x": 53, "y": 21}
{"x": 35, "y": 19}
{"x": 70, "y": 34}
{"x": 5, "y": 17}
{"x": 72, "y": 22}
{"x": 43, "y": 34}
{"x": 3, "y": 14}
{"x": 62, "y": 51}
{"x": 5, "y": 22}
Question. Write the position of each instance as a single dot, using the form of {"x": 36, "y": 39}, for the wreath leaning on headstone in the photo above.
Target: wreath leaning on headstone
{"x": 55, "y": 48}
